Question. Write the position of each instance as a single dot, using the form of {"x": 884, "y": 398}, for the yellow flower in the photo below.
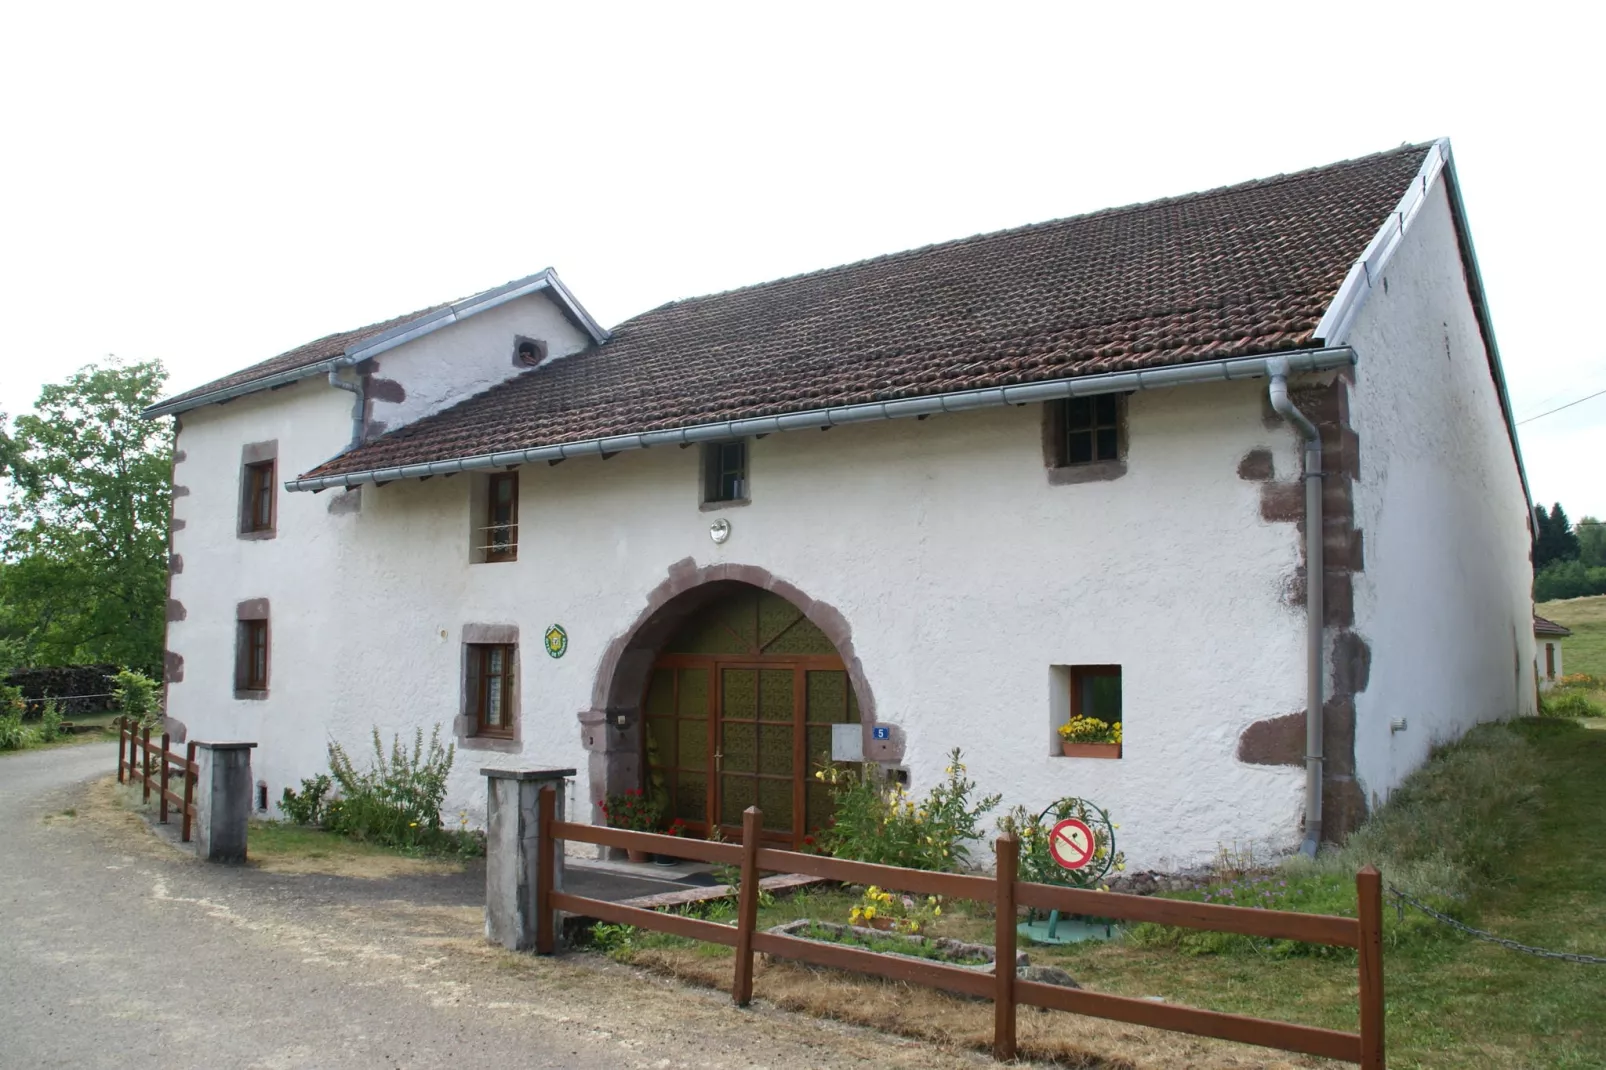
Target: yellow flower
{"x": 1120, "y": 867}
{"x": 937, "y": 911}
{"x": 820, "y": 775}
{"x": 869, "y": 912}
{"x": 412, "y": 824}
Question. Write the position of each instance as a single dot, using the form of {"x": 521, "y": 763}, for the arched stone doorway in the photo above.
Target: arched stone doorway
{"x": 723, "y": 694}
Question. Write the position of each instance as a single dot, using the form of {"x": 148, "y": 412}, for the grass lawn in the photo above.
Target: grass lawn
{"x": 105, "y": 725}
{"x": 281, "y": 847}
{"x": 1585, "y": 649}
{"x": 1453, "y": 1002}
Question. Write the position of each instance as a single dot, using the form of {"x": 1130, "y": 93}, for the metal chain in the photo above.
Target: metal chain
{"x": 1565, "y": 956}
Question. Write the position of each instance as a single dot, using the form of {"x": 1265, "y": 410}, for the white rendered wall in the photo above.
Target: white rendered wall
{"x": 469, "y": 357}
{"x": 1445, "y": 599}
{"x": 963, "y": 575}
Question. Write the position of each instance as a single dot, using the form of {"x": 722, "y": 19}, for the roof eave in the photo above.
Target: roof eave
{"x": 546, "y": 279}
{"x": 1303, "y": 360}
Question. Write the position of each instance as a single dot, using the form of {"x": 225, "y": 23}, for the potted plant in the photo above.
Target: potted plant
{"x": 1089, "y": 737}
{"x": 677, "y": 827}
{"x": 634, "y": 811}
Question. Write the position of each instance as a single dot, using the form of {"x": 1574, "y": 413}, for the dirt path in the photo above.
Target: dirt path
{"x": 119, "y": 952}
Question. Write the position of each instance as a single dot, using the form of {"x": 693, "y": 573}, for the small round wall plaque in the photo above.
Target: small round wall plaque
{"x": 557, "y": 641}
{"x": 719, "y": 530}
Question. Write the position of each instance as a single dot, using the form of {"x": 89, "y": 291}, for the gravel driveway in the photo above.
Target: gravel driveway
{"x": 118, "y": 951}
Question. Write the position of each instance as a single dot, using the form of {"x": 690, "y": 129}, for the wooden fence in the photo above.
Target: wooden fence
{"x": 1001, "y": 986}
{"x": 139, "y": 760}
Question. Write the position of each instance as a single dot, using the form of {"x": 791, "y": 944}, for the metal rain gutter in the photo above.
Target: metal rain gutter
{"x": 1308, "y": 360}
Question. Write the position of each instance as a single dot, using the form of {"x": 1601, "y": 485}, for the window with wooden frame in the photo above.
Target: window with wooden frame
{"x": 725, "y": 471}
{"x": 1085, "y": 438}
{"x": 251, "y": 668}
{"x": 257, "y": 497}
{"x": 1550, "y": 660}
{"x": 502, "y": 517}
{"x": 489, "y": 688}
{"x": 1096, "y": 692}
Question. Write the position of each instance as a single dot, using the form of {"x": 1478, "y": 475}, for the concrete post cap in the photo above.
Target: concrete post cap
{"x": 526, "y": 774}
{"x": 225, "y": 745}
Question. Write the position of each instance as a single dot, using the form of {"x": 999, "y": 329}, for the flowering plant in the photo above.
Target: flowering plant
{"x": 900, "y": 913}
{"x": 631, "y": 810}
{"x": 676, "y": 827}
{"x": 878, "y": 820}
{"x": 1090, "y": 730}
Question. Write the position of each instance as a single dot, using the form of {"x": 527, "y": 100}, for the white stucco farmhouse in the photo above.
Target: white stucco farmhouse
{"x": 952, "y": 495}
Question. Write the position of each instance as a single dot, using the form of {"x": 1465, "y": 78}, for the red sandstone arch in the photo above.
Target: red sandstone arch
{"x": 611, "y": 728}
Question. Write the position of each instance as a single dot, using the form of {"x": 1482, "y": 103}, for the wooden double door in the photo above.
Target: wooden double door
{"x": 738, "y": 728}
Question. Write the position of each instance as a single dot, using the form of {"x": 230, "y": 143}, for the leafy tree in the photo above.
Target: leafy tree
{"x": 1591, "y": 542}
{"x": 1568, "y": 579}
{"x": 85, "y": 529}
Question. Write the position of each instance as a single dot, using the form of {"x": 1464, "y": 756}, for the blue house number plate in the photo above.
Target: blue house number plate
{"x": 881, "y": 732}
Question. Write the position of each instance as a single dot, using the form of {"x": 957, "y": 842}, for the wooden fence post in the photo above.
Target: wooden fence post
{"x": 1369, "y": 902}
{"x": 1004, "y": 951}
{"x": 545, "y": 866}
{"x": 162, "y": 792}
{"x": 145, "y": 762}
{"x": 747, "y": 907}
{"x": 122, "y": 736}
{"x": 189, "y": 790}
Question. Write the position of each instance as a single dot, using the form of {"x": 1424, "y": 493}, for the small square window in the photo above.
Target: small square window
{"x": 1092, "y": 429}
{"x": 1078, "y": 691}
{"x": 257, "y": 498}
{"x": 725, "y": 471}
{"x": 489, "y": 692}
{"x": 501, "y": 529}
{"x": 1096, "y": 692}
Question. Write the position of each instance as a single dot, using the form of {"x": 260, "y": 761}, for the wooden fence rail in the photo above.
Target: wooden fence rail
{"x": 1006, "y": 991}
{"x": 140, "y": 760}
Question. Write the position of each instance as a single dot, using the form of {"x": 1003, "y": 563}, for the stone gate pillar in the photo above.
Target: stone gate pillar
{"x": 512, "y": 842}
{"x": 222, "y": 800}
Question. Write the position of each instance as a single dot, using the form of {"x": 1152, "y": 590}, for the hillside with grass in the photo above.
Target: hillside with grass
{"x": 1585, "y": 649}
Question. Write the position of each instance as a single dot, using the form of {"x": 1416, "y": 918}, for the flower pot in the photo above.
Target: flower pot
{"x": 665, "y": 860}
{"x": 637, "y": 856}
{"x": 1090, "y": 750}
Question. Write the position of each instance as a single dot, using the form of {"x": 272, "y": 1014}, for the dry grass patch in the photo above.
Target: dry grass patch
{"x": 925, "y": 1014}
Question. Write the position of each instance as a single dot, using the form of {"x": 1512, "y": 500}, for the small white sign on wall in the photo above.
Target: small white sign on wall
{"x": 847, "y": 743}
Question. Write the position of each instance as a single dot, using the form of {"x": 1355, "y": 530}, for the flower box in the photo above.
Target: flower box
{"x": 1090, "y": 750}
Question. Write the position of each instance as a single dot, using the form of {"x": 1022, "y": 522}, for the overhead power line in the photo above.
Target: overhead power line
{"x": 1558, "y": 408}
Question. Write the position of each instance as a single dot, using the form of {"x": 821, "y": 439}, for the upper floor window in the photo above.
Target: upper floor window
{"x": 1085, "y": 438}
{"x": 257, "y": 494}
{"x": 502, "y": 517}
{"x": 725, "y": 471}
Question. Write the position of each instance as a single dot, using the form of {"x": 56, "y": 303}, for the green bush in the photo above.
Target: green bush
{"x": 307, "y": 806}
{"x": 14, "y": 735}
{"x": 1566, "y": 702}
{"x": 397, "y": 801}
{"x": 137, "y": 699}
{"x": 1568, "y": 579}
{"x": 49, "y": 721}
{"x": 878, "y": 821}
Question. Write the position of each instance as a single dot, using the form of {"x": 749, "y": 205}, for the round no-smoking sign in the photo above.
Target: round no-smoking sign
{"x": 1071, "y": 843}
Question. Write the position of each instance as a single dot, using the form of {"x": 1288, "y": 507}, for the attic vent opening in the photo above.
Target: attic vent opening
{"x": 528, "y": 352}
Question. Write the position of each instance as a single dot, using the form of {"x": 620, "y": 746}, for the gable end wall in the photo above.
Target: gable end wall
{"x": 1445, "y": 600}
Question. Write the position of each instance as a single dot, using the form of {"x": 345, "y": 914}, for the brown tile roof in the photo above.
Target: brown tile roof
{"x": 1238, "y": 271}
{"x": 330, "y": 345}
{"x": 1549, "y": 627}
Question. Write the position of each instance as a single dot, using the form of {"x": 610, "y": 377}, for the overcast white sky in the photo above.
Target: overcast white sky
{"x": 212, "y": 185}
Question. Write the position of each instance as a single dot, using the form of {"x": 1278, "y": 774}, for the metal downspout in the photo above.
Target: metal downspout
{"x": 358, "y": 405}
{"x": 1314, "y": 564}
